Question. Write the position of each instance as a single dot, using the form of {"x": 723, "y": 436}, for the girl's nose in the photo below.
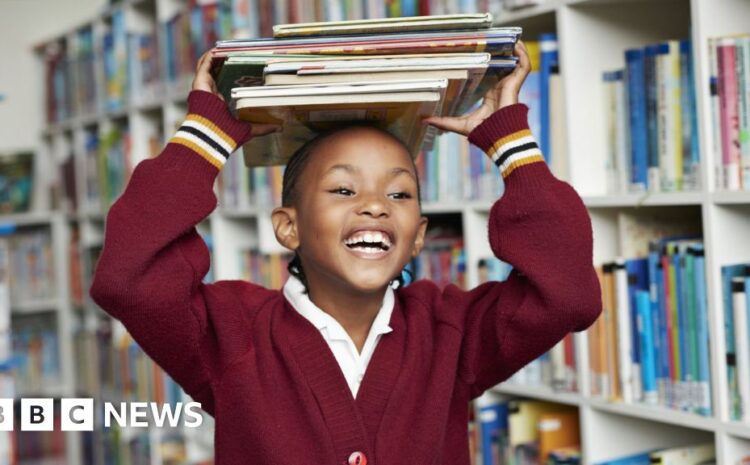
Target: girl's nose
{"x": 373, "y": 205}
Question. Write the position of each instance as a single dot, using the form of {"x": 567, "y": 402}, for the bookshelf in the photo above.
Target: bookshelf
{"x": 592, "y": 35}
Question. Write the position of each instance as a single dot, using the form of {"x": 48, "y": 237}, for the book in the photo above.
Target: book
{"x": 334, "y": 76}
{"x": 382, "y": 25}
{"x": 397, "y": 107}
{"x": 16, "y": 182}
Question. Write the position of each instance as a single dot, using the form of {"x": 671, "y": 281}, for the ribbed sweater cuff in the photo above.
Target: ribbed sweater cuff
{"x": 210, "y": 129}
{"x": 506, "y": 138}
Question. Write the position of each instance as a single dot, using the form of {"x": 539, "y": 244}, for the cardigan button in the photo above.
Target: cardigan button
{"x": 357, "y": 458}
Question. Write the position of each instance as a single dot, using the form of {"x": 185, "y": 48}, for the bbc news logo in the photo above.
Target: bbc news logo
{"x": 77, "y": 414}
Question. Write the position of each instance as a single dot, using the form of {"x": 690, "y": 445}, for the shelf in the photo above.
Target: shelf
{"x": 27, "y": 219}
{"x": 35, "y": 306}
{"x": 655, "y": 199}
{"x": 239, "y": 213}
{"x": 540, "y": 393}
{"x": 656, "y": 413}
{"x": 48, "y": 390}
{"x": 503, "y": 17}
{"x": 741, "y": 430}
{"x": 731, "y": 197}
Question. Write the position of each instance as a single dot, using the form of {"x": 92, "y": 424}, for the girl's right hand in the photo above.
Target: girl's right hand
{"x": 203, "y": 81}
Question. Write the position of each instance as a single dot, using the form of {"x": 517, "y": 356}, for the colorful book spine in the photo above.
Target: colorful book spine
{"x": 728, "y": 112}
{"x": 637, "y": 104}
{"x": 548, "y": 59}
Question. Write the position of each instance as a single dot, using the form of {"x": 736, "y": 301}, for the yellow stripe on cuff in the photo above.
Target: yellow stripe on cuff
{"x": 509, "y": 138}
{"x": 197, "y": 149}
{"x": 521, "y": 162}
{"x": 210, "y": 124}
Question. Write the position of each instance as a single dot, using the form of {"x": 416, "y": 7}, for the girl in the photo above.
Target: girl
{"x": 283, "y": 372}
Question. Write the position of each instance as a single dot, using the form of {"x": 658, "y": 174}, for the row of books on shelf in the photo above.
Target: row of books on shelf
{"x": 520, "y": 431}
{"x": 651, "y": 120}
{"x": 442, "y": 259}
{"x": 133, "y": 64}
{"x": 107, "y": 166}
{"x": 736, "y": 300}
{"x": 241, "y": 187}
{"x": 523, "y": 432}
{"x": 729, "y": 64}
{"x": 40, "y": 446}
{"x": 36, "y": 358}
{"x": 16, "y": 181}
{"x": 30, "y": 265}
{"x": 651, "y": 343}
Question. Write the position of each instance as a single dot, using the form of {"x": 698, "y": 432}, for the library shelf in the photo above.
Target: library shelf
{"x": 731, "y": 197}
{"x": 540, "y": 393}
{"x": 645, "y": 199}
{"x": 35, "y": 305}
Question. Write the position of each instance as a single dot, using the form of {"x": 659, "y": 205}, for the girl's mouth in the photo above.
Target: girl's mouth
{"x": 369, "y": 244}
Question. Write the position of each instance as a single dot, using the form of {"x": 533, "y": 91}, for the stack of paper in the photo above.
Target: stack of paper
{"x": 391, "y": 72}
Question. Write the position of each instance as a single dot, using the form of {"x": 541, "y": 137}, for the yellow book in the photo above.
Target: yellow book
{"x": 382, "y": 25}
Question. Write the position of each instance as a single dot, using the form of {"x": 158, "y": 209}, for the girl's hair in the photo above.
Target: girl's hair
{"x": 296, "y": 165}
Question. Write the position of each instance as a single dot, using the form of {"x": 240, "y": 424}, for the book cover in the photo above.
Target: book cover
{"x": 303, "y": 117}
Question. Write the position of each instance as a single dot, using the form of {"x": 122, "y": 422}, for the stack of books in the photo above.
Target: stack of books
{"x": 390, "y": 72}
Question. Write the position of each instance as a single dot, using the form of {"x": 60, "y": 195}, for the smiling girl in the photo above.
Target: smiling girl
{"x": 342, "y": 366}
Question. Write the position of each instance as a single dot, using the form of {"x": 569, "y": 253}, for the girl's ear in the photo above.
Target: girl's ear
{"x": 284, "y": 221}
{"x": 419, "y": 241}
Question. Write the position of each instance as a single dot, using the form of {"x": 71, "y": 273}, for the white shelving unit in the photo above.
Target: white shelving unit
{"x": 593, "y": 35}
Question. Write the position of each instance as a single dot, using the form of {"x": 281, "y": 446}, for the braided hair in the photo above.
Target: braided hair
{"x": 296, "y": 165}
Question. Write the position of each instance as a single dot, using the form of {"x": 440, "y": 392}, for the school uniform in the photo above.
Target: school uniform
{"x": 265, "y": 372}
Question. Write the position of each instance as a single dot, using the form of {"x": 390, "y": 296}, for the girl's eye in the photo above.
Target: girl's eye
{"x": 401, "y": 195}
{"x": 342, "y": 191}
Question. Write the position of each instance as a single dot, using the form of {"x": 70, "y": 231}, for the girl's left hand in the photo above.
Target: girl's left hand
{"x": 505, "y": 93}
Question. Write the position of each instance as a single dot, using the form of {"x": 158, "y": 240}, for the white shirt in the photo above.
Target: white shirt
{"x": 352, "y": 363}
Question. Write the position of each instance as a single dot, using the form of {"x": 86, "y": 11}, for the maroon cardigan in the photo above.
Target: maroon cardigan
{"x": 266, "y": 374}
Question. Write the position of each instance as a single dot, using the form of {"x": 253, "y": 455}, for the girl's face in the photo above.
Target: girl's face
{"x": 357, "y": 220}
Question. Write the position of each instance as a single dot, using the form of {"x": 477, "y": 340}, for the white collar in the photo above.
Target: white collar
{"x": 294, "y": 292}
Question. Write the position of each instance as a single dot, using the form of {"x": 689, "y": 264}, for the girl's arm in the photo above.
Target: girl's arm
{"x": 541, "y": 227}
{"x": 153, "y": 261}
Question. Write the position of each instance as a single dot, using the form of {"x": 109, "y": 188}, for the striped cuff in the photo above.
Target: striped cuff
{"x": 505, "y": 137}
{"x": 210, "y": 130}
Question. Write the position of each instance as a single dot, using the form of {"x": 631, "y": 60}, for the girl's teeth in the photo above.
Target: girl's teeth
{"x": 368, "y": 237}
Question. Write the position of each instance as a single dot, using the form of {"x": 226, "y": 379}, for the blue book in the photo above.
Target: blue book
{"x": 636, "y": 89}
{"x": 701, "y": 329}
{"x": 548, "y": 58}
{"x": 493, "y": 427}
{"x": 690, "y": 153}
{"x": 646, "y": 342}
{"x": 637, "y": 271}
{"x": 530, "y": 95}
{"x": 681, "y": 325}
{"x": 652, "y": 111}
{"x": 654, "y": 273}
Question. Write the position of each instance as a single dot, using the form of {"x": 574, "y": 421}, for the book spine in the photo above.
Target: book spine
{"x": 652, "y": 73}
{"x": 635, "y": 79}
{"x": 548, "y": 58}
{"x": 704, "y": 367}
{"x": 727, "y": 80}
{"x": 624, "y": 333}
{"x": 743, "y": 61}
